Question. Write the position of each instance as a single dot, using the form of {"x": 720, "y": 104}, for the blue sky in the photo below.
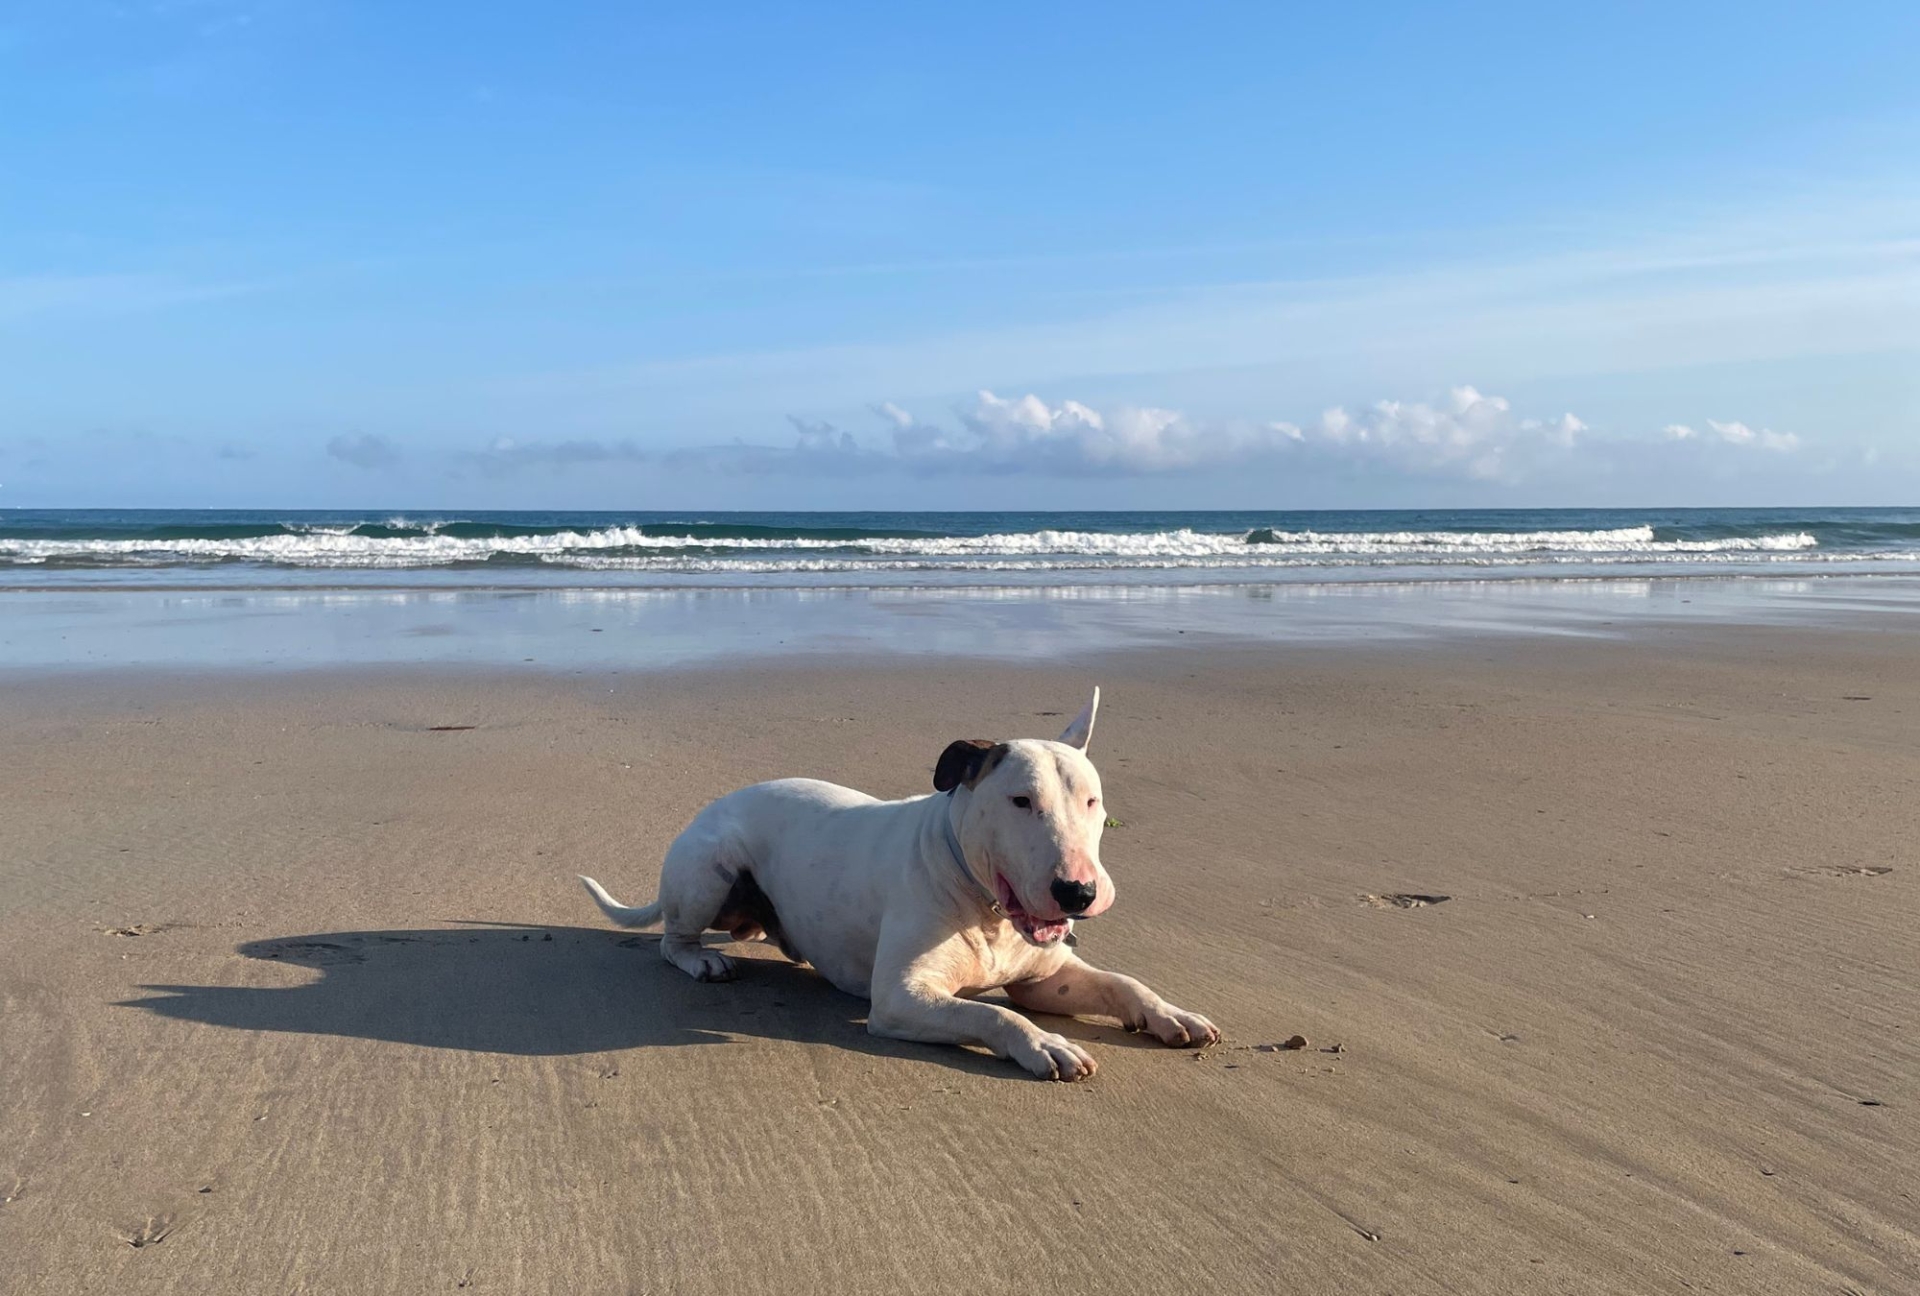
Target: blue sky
{"x": 318, "y": 253}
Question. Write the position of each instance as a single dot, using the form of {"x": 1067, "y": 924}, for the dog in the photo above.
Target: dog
{"x": 922, "y": 904}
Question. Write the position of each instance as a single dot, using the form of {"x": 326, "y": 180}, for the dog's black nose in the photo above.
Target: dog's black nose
{"x": 1072, "y": 897}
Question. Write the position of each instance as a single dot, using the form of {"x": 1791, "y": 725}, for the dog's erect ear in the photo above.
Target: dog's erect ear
{"x": 1081, "y": 730}
{"x": 962, "y": 762}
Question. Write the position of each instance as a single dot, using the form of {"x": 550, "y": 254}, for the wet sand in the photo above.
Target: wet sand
{"x": 239, "y": 628}
{"x": 1606, "y": 952}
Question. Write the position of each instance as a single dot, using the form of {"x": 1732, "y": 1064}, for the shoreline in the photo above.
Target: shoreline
{"x": 1040, "y": 580}
{"x": 280, "y": 629}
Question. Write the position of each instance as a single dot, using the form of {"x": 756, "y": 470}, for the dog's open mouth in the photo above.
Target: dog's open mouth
{"x": 1040, "y": 931}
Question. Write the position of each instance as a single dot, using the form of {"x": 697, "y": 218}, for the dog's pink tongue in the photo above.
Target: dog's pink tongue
{"x": 1042, "y": 931}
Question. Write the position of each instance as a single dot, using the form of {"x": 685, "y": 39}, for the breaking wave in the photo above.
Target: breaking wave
{"x": 393, "y": 544}
{"x": 147, "y": 545}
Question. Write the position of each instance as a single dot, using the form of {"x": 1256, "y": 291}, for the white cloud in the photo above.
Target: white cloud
{"x": 815, "y": 437}
{"x": 1765, "y": 439}
{"x": 1736, "y": 434}
{"x": 1027, "y": 433}
{"x": 1466, "y": 435}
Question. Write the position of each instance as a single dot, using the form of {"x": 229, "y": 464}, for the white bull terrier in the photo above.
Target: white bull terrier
{"x": 919, "y": 905}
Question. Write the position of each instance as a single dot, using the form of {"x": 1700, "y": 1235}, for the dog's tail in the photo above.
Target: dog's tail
{"x": 624, "y": 915}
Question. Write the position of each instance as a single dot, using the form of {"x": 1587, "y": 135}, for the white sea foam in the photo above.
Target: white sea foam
{"x": 336, "y": 546}
{"x": 764, "y": 566}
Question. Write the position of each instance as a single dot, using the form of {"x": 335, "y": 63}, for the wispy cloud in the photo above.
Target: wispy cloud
{"x": 818, "y": 449}
{"x": 368, "y": 450}
{"x": 35, "y": 297}
{"x": 507, "y": 457}
{"x": 210, "y": 17}
{"x": 1832, "y": 276}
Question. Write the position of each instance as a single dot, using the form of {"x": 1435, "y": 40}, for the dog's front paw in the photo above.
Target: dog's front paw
{"x": 1054, "y": 1057}
{"x": 1178, "y": 1028}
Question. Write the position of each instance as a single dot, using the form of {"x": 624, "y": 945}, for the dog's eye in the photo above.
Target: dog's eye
{"x": 1092, "y": 802}
{"x": 1025, "y": 803}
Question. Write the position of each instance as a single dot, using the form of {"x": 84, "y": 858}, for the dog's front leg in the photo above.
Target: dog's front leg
{"x": 918, "y": 1008}
{"x": 1079, "y": 990}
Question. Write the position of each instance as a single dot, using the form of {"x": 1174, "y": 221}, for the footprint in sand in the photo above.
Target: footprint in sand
{"x": 1403, "y": 900}
{"x": 155, "y": 1231}
{"x": 1842, "y": 870}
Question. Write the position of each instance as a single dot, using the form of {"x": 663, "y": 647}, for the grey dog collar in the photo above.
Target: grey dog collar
{"x": 960, "y": 861}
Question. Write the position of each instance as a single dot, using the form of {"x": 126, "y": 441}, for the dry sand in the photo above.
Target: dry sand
{"x": 300, "y": 994}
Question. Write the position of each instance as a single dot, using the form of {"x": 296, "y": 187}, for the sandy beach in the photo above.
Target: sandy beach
{"x": 1606, "y": 950}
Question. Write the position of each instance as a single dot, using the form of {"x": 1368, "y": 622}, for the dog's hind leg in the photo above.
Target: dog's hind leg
{"x": 695, "y": 884}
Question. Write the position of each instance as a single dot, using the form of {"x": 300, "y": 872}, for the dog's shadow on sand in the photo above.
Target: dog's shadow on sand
{"x": 545, "y": 991}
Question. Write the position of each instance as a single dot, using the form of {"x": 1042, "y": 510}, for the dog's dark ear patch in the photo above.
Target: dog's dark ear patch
{"x": 965, "y": 762}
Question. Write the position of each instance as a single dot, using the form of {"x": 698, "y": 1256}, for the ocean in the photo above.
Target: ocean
{"x": 102, "y": 548}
